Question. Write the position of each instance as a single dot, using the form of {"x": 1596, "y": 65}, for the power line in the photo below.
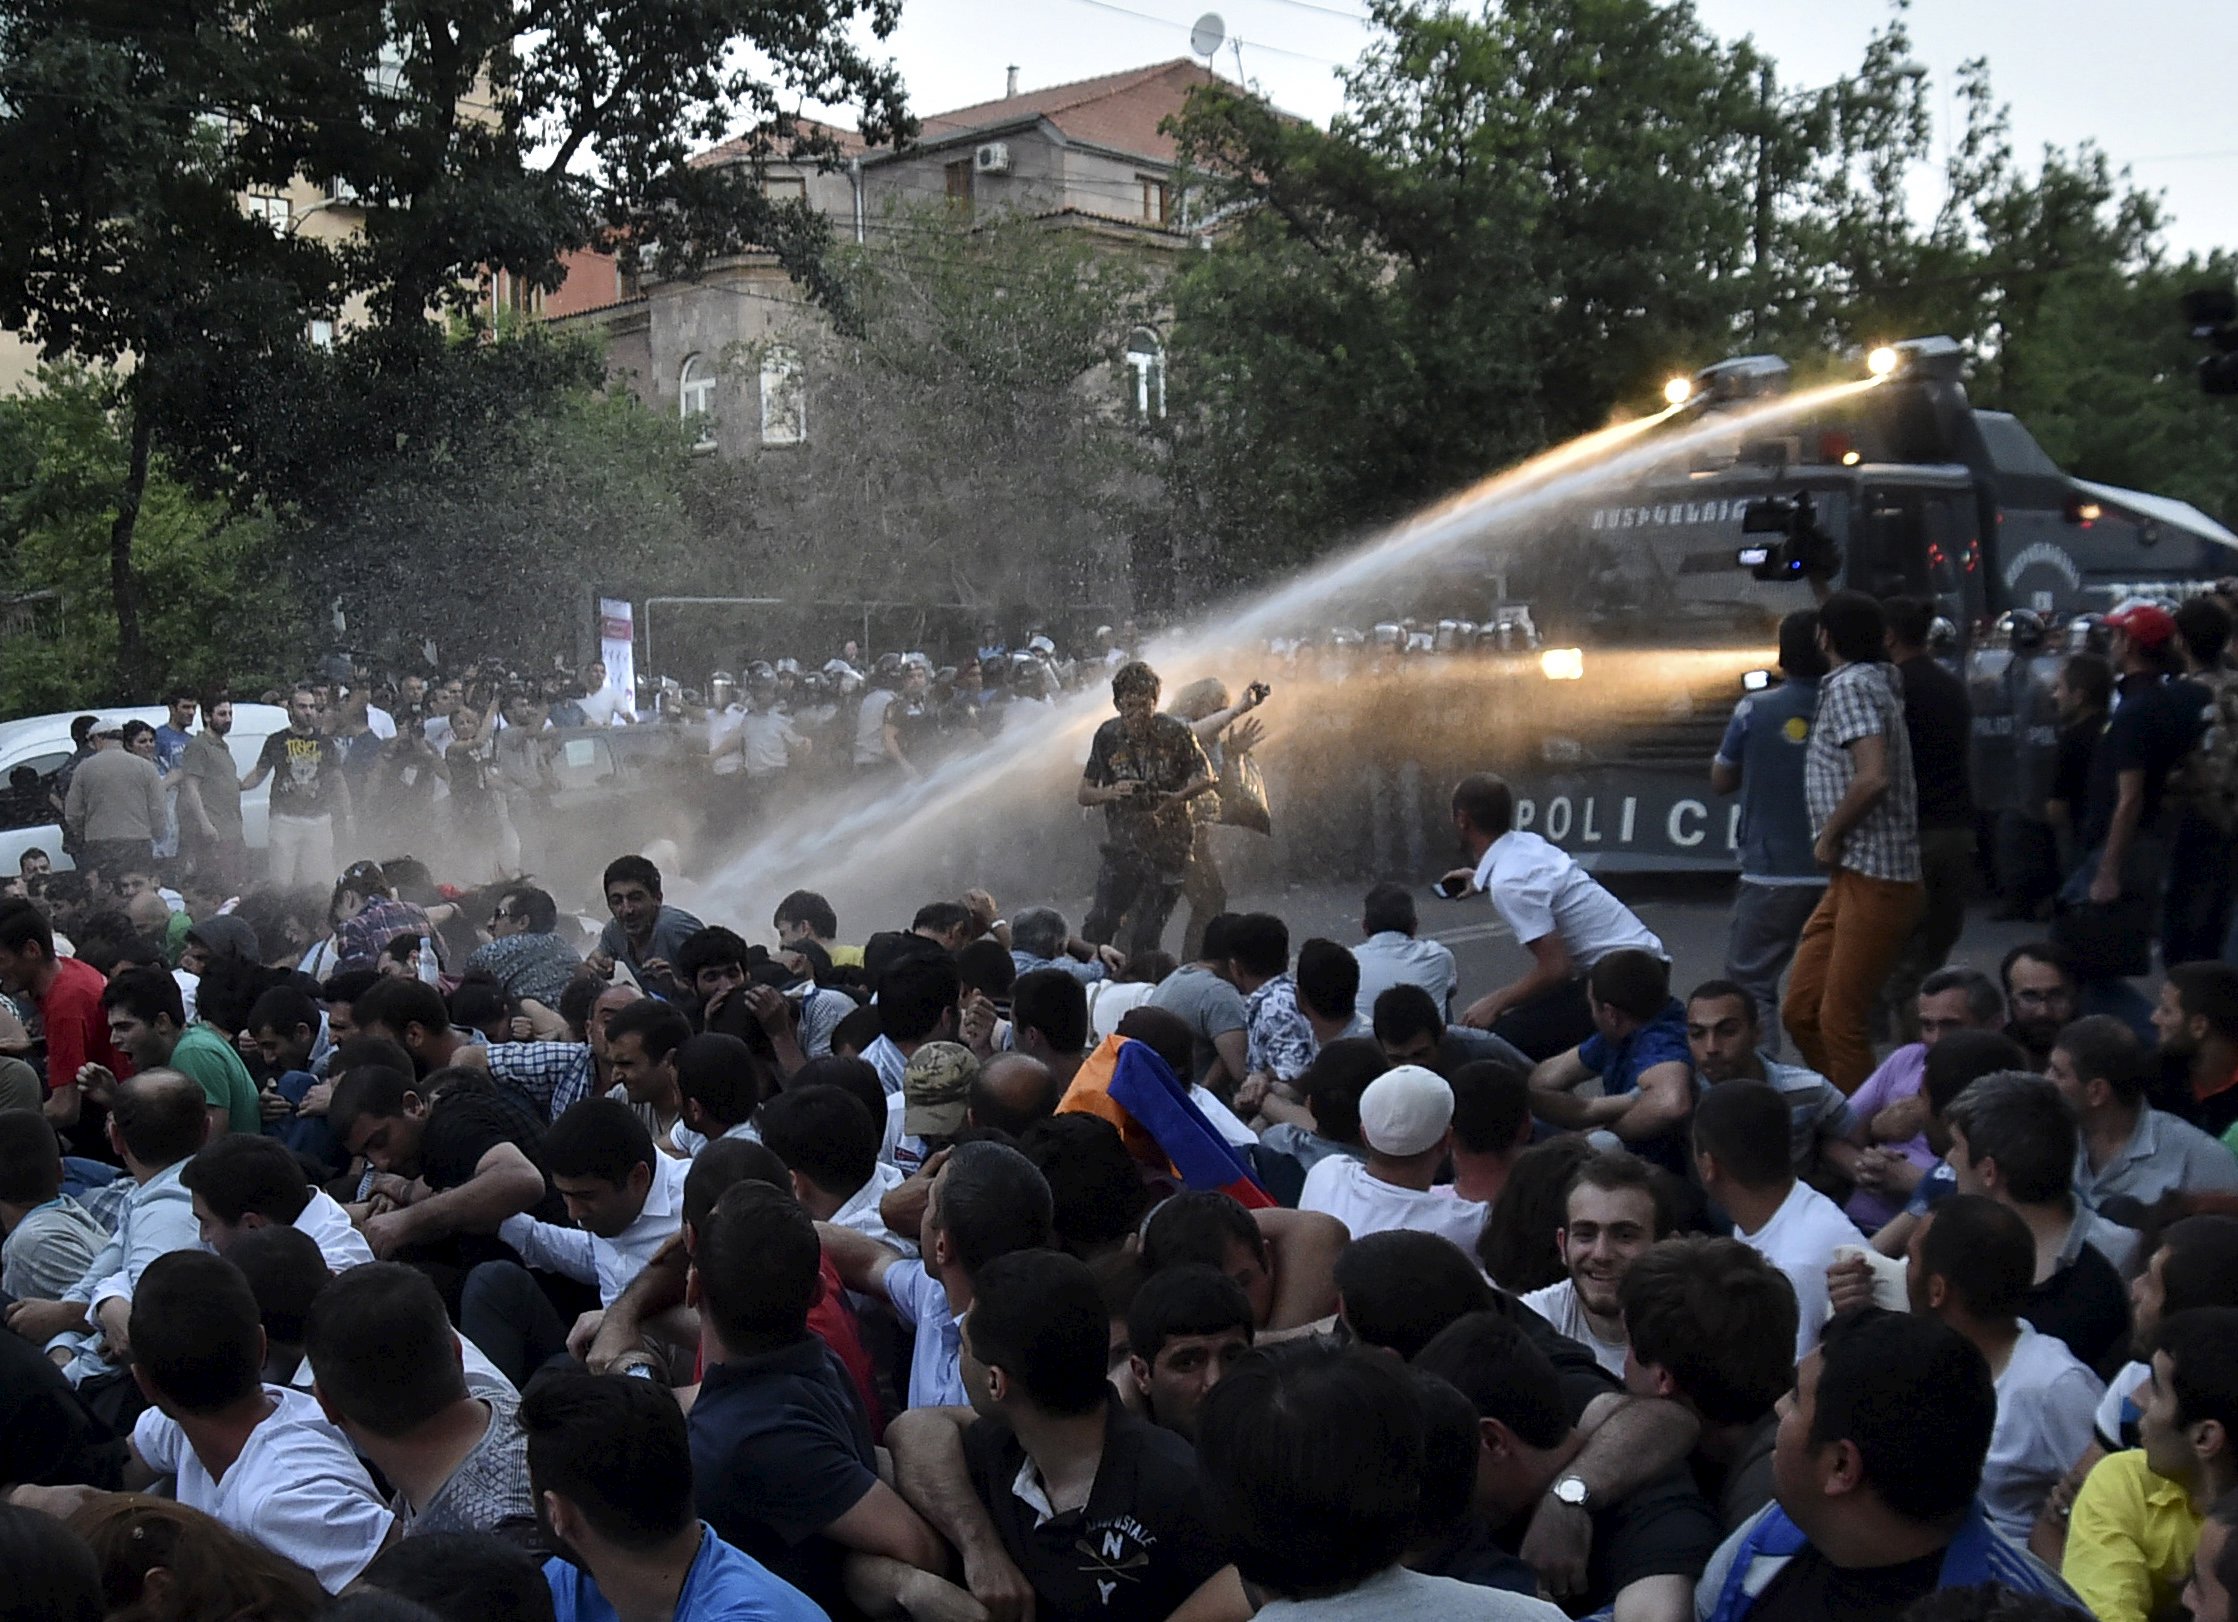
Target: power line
{"x": 1183, "y": 28}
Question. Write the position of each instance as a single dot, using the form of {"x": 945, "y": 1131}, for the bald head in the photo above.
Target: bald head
{"x": 159, "y": 1118}
{"x": 1013, "y": 1091}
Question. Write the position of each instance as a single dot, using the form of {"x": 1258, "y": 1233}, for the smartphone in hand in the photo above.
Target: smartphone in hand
{"x": 1451, "y": 888}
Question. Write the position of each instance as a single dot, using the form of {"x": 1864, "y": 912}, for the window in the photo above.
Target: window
{"x": 959, "y": 184}
{"x": 695, "y": 398}
{"x": 784, "y": 405}
{"x": 783, "y": 189}
{"x": 271, "y": 208}
{"x": 1146, "y": 371}
{"x": 322, "y": 333}
{"x": 1156, "y": 200}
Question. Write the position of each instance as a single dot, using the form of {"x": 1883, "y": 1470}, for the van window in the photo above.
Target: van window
{"x": 26, "y": 804}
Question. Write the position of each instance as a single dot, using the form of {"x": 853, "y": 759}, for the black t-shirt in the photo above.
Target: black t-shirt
{"x": 1662, "y": 1528}
{"x": 304, "y": 771}
{"x": 470, "y": 1118}
{"x": 780, "y": 1450}
{"x": 1810, "y": 1588}
{"x": 1164, "y": 761}
{"x": 2154, "y": 726}
{"x": 1576, "y": 1369}
{"x": 2215, "y": 1114}
{"x": 1470, "y": 1554}
{"x": 1138, "y": 1548}
{"x": 2084, "y": 1305}
{"x": 2070, "y": 780}
{"x": 1939, "y": 719}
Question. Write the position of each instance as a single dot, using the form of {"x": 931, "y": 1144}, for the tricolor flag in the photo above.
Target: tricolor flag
{"x": 1129, "y": 1085}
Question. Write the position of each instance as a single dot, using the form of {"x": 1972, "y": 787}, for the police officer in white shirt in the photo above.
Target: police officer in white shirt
{"x": 1558, "y": 912}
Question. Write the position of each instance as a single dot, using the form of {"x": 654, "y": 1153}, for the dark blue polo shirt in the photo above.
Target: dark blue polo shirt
{"x": 780, "y": 1450}
{"x": 1662, "y": 1040}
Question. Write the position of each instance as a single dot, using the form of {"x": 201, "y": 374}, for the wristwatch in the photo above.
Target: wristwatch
{"x": 1573, "y": 1491}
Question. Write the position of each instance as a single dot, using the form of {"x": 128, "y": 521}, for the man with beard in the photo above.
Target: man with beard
{"x": 2039, "y": 980}
{"x": 1609, "y": 1218}
{"x": 210, "y": 800}
{"x": 2197, "y": 1020}
{"x": 1143, "y": 768}
{"x": 1723, "y": 1035}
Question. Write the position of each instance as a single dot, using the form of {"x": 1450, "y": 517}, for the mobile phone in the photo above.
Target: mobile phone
{"x": 1451, "y": 889}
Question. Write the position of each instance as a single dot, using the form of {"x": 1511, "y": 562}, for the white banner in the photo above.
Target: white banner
{"x": 617, "y": 646}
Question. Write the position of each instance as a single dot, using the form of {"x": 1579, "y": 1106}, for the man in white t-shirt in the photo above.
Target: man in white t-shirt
{"x": 1741, "y": 1153}
{"x": 1972, "y": 1261}
{"x": 261, "y": 1459}
{"x": 1609, "y": 1216}
{"x": 1556, "y": 910}
{"x": 1406, "y": 1121}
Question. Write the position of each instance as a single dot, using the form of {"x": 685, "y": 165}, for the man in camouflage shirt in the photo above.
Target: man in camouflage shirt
{"x": 1143, "y": 768}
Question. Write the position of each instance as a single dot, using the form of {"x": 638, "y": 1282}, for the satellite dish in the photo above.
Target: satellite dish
{"x": 1208, "y": 36}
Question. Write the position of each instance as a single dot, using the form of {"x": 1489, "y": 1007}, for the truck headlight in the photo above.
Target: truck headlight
{"x": 1563, "y": 664}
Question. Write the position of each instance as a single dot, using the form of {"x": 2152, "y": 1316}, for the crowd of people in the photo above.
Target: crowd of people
{"x": 431, "y": 1250}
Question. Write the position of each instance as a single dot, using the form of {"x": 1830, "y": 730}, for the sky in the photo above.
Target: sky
{"x": 2156, "y": 89}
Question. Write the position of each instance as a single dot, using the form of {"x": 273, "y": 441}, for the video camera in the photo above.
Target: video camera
{"x": 2212, "y": 314}
{"x": 1803, "y": 550}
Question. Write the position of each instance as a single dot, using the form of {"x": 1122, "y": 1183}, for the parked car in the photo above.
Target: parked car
{"x": 42, "y": 742}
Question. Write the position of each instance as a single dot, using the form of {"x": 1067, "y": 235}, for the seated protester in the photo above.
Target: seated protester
{"x": 1166, "y": 1034}
{"x": 1311, "y": 1458}
{"x": 1391, "y": 952}
{"x": 386, "y": 1368}
{"x": 260, "y": 1458}
{"x": 936, "y": 1095}
{"x": 829, "y": 1143}
{"x": 1519, "y": 1251}
{"x": 1647, "y": 1545}
{"x": 1328, "y": 1121}
{"x": 1204, "y": 998}
{"x": 1954, "y": 1063}
{"x": 2197, "y": 1022}
{"x": 1406, "y": 1121}
{"x": 1639, "y": 1051}
{"x": 1450, "y": 1539}
{"x": 157, "y": 1120}
{"x": 1880, "y": 1454}
{"x": 339, "y": 995}
{"x": 1491, "y": 1126}
{"x": 642, "y": 1040}
{"x": 986, "y": 1201}
{"x": 1098, "y": 1509}
{"x": 1283, "y": 1261}
{"x": 625, "y": 1200}
{"x": 1726, "y": 1041}
{"x": 48, "y": 1437}
{"x": 1711, "y": 1326}
{"x": 711, "y": 962}
{"x": 411, "y": 1013}
{"x": 781, "y": 1452}
{"x": 2135, "y": 1525}
{"x": 241, "y": 1183}
{"x": 1010, "y": 1093}
{"x": 1971, "y": 1264}
{"x": 1278, "y": 1041}
{"x": 2130, "y": 1150}
{"x": 461, "y": 1577}
{"x": 1328, "y": 993}
{"x": 720, "y": 1083}
{"x": 1741, "y": 1157}
{"x": 805, "y": 916}
{"x": 470, "y": 1146}
{"x": 480, "y": 1006}
{"x": 1410, "y": 1026}
{"x": 1612, "y": 1214}
{"x": 52, "y": 1239}
{"x": 822, "y": 1004}
{"x": 1888, "y": 1114}
{"x": 1049, "y": 1022}
{"x": 525, "y": 954}
{"x": 150, "y": 1027}
{"x": 1040, "y": 938}
{"x": 285, "y": 1024}
{"x": 2014, "y": 1139}
{"x": 611, "y": 1471}
{"x": 917, "y": 1003}
{"x": 1185, "y": 1326}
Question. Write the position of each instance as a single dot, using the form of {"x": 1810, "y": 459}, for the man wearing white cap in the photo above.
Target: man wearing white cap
{"x": 1406, "y": 1120}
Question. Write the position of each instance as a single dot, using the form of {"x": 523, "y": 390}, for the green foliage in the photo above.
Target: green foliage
{"x": 217, "y": 608}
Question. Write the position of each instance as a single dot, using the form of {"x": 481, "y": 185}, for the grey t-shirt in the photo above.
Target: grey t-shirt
{"x": 50, "y": 1250}
{"x": 1400, "y": 1595}
{"x": 1209, "y": 1005}
{"x": 489, "y": 1490}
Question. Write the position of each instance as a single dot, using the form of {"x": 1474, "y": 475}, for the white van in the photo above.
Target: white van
{"x": 42, "y": 742}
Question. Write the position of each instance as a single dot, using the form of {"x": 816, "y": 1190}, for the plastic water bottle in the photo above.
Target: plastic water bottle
{"x": 428, "y": 969}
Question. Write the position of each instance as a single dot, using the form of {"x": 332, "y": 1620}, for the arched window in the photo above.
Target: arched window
{"x": 695, "y": 397}
{"x": 784, "y": 401}
{"x": 1146, "y": 374}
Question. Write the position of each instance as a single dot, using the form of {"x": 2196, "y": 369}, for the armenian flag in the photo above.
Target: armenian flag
{"x": 1127, "y": 1084}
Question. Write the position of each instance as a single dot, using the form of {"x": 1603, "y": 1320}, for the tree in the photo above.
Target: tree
{"x": 474, "y": 136}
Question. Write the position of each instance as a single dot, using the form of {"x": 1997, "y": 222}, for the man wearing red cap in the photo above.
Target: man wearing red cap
{"x": 2156, "y": 722}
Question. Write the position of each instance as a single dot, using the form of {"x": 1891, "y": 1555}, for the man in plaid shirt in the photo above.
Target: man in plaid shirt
{"x": 1859, "y": 786}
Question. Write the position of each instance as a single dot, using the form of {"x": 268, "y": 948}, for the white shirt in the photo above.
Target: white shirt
{"x": 860, "y": 1212}
{"x": 338, "y": 1239}
{"x": 1558, "y": 1305}
{"x": 2117, "y": 1410}
{"x": 1110, "y": 1001}
{"x": 889, "y": 1061}
{"x": 870, "y": 727}
{"x": 1341, "y": 1187}
{"x": 1388, "y": 958}
{"x": 297, "y": 1487}
{"x": 590, "y": 1258}
{"x": 379, "y": 722}
{"x": 2045, "y": 1399}
{"x": 1800, "y": 1240}
{"x": 1538, "y": 890}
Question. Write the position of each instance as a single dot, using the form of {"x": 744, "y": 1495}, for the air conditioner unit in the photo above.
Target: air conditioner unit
{"x": 992, "y": 158}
